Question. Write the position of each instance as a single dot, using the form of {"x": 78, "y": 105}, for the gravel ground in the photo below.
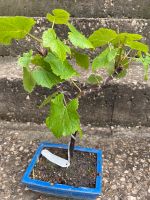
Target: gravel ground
{"x": 126, "y": 159}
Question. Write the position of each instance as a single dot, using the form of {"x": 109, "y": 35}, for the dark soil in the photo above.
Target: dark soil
{"x": 81, "y": 172}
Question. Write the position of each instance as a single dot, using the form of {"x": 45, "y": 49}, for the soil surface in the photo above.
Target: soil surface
{"x": 81, "y": 172}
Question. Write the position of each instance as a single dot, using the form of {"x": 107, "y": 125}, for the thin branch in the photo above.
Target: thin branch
{"x": 126, "y": 56}
{"x": 65, "y": 101}
{"x": 117, "y": 63}
{"x": 35, "y": 38}
{"x": 76, "y": 86}
{"x": 97, "y": 88}
{"x": 53, "y": 24}
{"x": 71, "y": 146}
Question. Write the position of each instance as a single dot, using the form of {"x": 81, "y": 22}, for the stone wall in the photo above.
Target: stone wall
{"x": 131, "y": 15}
{"x": 78, "y": 8}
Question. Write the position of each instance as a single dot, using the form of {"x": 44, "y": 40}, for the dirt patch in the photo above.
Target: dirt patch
{"x": 81, "y": 173}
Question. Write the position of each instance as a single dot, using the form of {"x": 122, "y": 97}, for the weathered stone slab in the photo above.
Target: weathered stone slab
{"x": 87, "y": 26}
{"x": 126, "y": 105}
{"x": 78, "y": 8}
{"x": 124, "y": 101}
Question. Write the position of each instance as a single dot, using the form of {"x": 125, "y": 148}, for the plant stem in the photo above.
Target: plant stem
{"x": 65, "y": 101}
{"x": 95, "y": 89}
{"x": 35, "y": 38}
{"x": 72, "y": 144}
{"x": 76, "y": 86}
{"x": 82, "y": 93}
{"x": 53, "y": 24}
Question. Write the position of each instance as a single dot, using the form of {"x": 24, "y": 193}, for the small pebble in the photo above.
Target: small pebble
{"x": 98, "y": 198}
{"x": 21, "y": 148}
{"x": 26, "y": 151}
{"x": 126, "y": 172}
{"x": 12, "y": 148}
{"x": 113, "y": 187}
{"x": 134, "y": 169}
{"x": 134, "y": 191}
{"x": 129, "y": 185}
{"x": 122, "y": 179}
{"x": 3, "y": 187}
{"x": 28, "y": 97}
{"x": 131, "y": 198}
{"x": 26, "y": 188}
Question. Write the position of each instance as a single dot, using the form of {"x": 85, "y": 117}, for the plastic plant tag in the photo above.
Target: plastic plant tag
{"x": 55, "y": 159}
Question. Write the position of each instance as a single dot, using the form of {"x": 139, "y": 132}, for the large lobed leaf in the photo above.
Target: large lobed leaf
{"x": 64, "y": 119}
{"x": 45, "y": 78}
{"x": 55, "y": 44}
{"x": 44, "y": 75}
{"x": 102, "y": 36}
{"x": 81, "y": 59}
{"x": 48, "y": 99}
{"x": 25, "y": 60}
{"x": 124, "y": 38}
{"x": 105, "y": 60}
{"x": 62, "y": 69}
{"x": 138, "y": 46}
{"x": 94, "y": 79}
{"x": 59, "y": 16}
{"x": 14, "y": 28}
{"x": 146, "y": 63}
{"x": 38, "y": 60}
{"x": 78, "y": 39}
{"x": 28, "y": 80}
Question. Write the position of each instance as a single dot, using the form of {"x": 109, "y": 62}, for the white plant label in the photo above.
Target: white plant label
{"x": 55, "y": 159}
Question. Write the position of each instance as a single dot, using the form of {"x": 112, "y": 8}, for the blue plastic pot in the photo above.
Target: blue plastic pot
{"x": 62, "y": 190}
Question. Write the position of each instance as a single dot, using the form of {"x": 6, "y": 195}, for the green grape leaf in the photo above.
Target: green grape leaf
{"x": 48, "y": 100}
{"x": 146, "y": 63}
{"x": 14, "y": 28}
{"x": 78, "y": 39}
{"x": 101, "y": 60}
{"x": 137, "y": 46}
{"x": 126, "y": 37}
{"x": 38, "y": 60}
{"x": 55, "y": 44}
{"x": 94, "y": 79}
{"x": 125, "y": 63}
{"x": 102, "y": 36}
{"x": 62, "y": 69}
{"x": 48, "y": 37}
{"x": 64, "y": 119}
{"x": 25, "y": 60}
{"x": 28, "y": 81}
{"x": 45, "y": 78}
{"x": 81, "y": 59}
{"x": 122, "y": 74}
{"x": 146, "y": 59}
{"x": 59, "y": 16}
{"x": 105, "y": 60}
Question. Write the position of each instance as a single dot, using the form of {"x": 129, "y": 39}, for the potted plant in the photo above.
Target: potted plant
{"x": 58, "y": 169}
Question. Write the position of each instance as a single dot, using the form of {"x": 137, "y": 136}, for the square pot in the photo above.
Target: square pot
{"x": 62, "y": 190}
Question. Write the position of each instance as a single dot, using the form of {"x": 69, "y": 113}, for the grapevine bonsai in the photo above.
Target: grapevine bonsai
{"x": 49, "y": 64}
